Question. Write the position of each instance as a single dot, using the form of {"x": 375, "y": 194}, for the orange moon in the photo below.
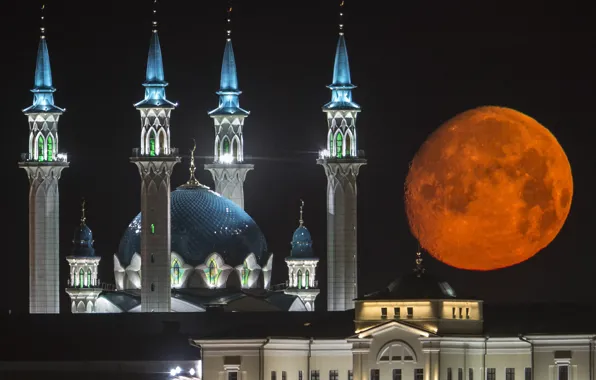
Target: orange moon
{"x": 489, "y": 189}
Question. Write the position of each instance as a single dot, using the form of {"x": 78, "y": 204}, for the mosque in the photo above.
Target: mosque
{"x": 196, "y": 252}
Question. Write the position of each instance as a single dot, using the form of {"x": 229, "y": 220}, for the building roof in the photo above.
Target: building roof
{"x": 414, "y": 286}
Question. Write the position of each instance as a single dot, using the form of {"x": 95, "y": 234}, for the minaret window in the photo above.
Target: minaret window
{"x": 88, "y": 278}
{"x": 162, "y": 143}
{"x": 348, "y": 145}
{"x": 40, "y": 148}
{"x": 307, "y": 279}
{"x": 245, "y": 274}
{"x": 81, "y": 278}
{"x": 339, "y": 145}
{"x": 226, "y": 146}
{"x": 176, "y": 273}
{"x": 50, "y": 149}
{"x": 330, "y": 143}
{"x": 299, "y": 279}
{"x": 235, "y": 150}
{"x": 152, "y": 229}
{"x": 152, "y": 143}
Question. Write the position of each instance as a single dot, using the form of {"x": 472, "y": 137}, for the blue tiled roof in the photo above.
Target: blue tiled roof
{"x": 43, "y": 90}
{"x": 302, "y": 243}
{"x": 83, "y": 242}
{"x": 341, "y": 88}
{"x": 229, "y": 92}
{"x": 203, "y": 222}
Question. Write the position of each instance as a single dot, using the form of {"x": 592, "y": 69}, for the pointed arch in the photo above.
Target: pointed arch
{"x": 81, "y": 278}
{"x": 339, "y": 144}
{"x": 89, "y": 282}
{"x": 39, "y": 155}
{"x": 81, "y": 307}
{"x": 50, "y": 148}
{"x": 307, "y": 279}
{"x": 225, "y": 145}
{"x": 151, "y": 142}
{"x": 176, "y": 272}
{"x": 89, "y": 307}
{"x": 162, "y": 142}
{"x": 143, "y": 143}
{"x": 349, "y": 144}
{"x": 236, "y": 148}
{"x": 299, "y": 279}
{"x": 330, "y": 146}
{"x": 216, "y": 149}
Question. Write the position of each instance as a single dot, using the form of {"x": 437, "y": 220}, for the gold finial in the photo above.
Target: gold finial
{"x": 83, "y": 218}
{"x": 154, "y": 22}
{"x": 301, "y": 212}
{"x": 419, "y": 268}
{"x": 341, "y": 17}
{"x": 192, "y": 181}
{"x": 229, "y": 21}
{"x": 42, "y": 27}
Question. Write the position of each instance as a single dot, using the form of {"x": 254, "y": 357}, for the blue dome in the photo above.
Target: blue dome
{"x": 83, "y": 242}
{"x": 302, "y": 243}
{"x": 203, "y": 222}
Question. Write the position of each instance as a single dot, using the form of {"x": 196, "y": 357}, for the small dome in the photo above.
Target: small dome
{"x": 83, "y": 241}
{"x": 302, "y": 243}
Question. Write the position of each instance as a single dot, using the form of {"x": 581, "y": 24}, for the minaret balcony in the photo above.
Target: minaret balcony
{"x": 136, "y": 153}
{"x": 61, "y": 158}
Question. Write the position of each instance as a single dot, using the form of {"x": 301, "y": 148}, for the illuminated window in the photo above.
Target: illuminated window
{"x": 212, "y": 273}
{"x": 397, "y": 374}
{"x": 152, "y": 143}
{"x": 333, "y": 374}
{"x": 418, "y": 374}
{"x": 226, "y": 145}
{"x": 245, "y": 274}
{"x": 306, "y": 279}
{"x": 81, "y": 278}
{"x": 509, "y": 373}
{"x": 338, "y": 145}
{"x": 299, "y": 279}
{"x": 50, "y": 150}
{"x": 89, "y": 278}
{"x": 40, "y": 148}
{"x": 410, "y": 311}
{"x": 176, "y": 273}
{"x": 467, "y": 313}
{"x": 152, "y": 229}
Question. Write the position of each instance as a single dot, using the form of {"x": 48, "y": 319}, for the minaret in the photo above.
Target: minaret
{"x": 43, "y": 164}
{"x": 228, "y": 168}
{"x": 83, "y": 283}
{"x": 302, "y": 266}
{"x": 155, "y": 160}
{"x": 341, "y": 161}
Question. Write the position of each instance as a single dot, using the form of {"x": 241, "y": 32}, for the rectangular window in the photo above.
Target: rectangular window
{"x": 461, "y": 313}
{"x": 273, "y": 375}
{"x": 350, "y": 374}
{"x": 410, "y": 312}
{"x": 152, "y": 229}
{"x": 470, "y": 374}
{"x": 284, "y": 375}
{"x": 383, "y": 313}
{"x": 509, "y": 373}
{"x": 396, "y": 312}
{"x": 299, "y": 375}
{"x": 491, "y": 374}
{"x": 563, "y": 372}
{"x": 333, "y": 374}
{"x": 528, "y": 374}
{"x": 418, "y": 374}
{"x": 460, "y": 374}
{"x": 315, "y": 375}
{"x": 375, "y": 374}
{"x": 467, "y": 313}
{"x": 232, "y": 375}
{"x": 453, "y": 312}
{"x": 449, "y": 374}
{"x": 397, "y": 374}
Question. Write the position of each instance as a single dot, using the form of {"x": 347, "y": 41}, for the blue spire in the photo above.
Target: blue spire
{"x": 43, "y": 91}
{"x": 83, "y": 238}
{"x": 341, "y": 88}
{"x": 155, "y": 84}
{"x": 301, "y": 240}
{"x": 229, "y": 102}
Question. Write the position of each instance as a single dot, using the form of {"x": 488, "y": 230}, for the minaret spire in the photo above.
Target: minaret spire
{"x": 43, "y": 164}
{"x": 301, "y": 221}
{"x": 83, "y": 218}
{"x": 228, "y": 168}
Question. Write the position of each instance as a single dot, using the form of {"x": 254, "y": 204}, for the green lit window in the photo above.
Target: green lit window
{"x": 339, "y": 145}
{"x": 152, "y": 144}
{"x": 176, "y": 272}
{"x": 50, "y": 144}
{"x": 245, "y": 273}
{"x": 212, "y": 273}
{"x": 40, "y": 148}
{"x": 299, "y": 279}
{"x": 152, "y": 229}
{"x": 81, "y": 278}
{"x": 88, "y": 278}
{"x": 226, "y": 146}
{"x": 306, "y": 279}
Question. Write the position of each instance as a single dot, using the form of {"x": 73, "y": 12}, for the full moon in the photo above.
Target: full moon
{"x": 489, "y": 189}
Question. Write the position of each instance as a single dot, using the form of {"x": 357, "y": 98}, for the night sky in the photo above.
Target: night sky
{"x": 416, "y": 66}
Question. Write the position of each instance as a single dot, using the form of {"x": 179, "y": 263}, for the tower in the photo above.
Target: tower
{"x": 44, "y": 165}
{"x": 155, "y": 160}
{"x": 341, "y": 161}
{"x": 83, "y": 283}
{"x": 302, "y": 266}
{"x": 228, "y": 168}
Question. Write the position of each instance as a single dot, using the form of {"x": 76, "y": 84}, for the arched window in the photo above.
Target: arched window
{"x": 307, "y": 280}
{"x": 176, "y": 273}
{"x": 299, "y": 279}
{"x": 245, "y": 274}
{"x": 348, "y": 145}
{"x": 162, "y": 142}
{"x": 212, "y": 270}
{"x": 226, "y": 146}
{"x": 330, "y": 143}
{"x": 40, "y": 148}
{"x": 396, "y": 352}
{"x": 81, "y": 278}
{"x": 339, "y": 145}
{"x": 152, "y": 143}
{"x": 235, "y": 150}
{"x": 89, "y": 278}
{"x": 50, "y": 149}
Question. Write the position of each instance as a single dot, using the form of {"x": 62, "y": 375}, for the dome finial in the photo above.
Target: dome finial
{"x": 42, "y": 26}
{"x": 341, "y": 17}
{"x": 192, "y": 181}
{"x": 154, "y": 22}
{"x": 419, "y": 269}
{"x": 83, "y": 218}
{"x": 301, "y": 212}
{"x": 229, "y": 22}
